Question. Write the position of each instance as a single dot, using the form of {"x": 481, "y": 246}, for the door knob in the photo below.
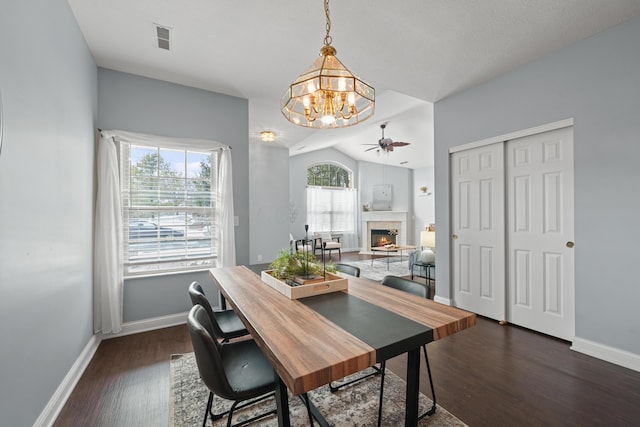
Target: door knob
{"x": 454, "y": 236}
{"x": 569, "y": 244}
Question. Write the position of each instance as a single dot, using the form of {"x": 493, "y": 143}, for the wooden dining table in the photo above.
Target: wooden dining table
{"x": 313, "y": 341}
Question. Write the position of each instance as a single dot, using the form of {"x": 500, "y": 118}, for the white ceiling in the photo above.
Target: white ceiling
{"x": 413, "y": 52}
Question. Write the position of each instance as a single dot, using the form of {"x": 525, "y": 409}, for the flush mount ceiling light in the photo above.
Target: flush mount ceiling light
{"x": 267, "y": 136}
{"x": 327, "y": 94}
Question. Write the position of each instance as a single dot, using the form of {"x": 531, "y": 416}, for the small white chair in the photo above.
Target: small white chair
{"x": 300, "y": 245}
{"x": 327, "y": 243}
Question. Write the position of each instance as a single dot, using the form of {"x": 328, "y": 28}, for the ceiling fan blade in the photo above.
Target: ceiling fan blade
{"x": 370, "y": 144}
{"x": 372, "y": 148}
{"x": 399, "y": 144}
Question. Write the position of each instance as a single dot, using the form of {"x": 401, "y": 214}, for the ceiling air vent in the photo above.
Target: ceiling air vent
{"x": 163, "y": 35}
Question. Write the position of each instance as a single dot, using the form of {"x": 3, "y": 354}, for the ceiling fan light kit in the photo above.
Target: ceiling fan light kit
{"x": 327, "y": 95}
{"x": 385, "y": 144}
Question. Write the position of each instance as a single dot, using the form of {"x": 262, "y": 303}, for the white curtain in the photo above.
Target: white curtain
{"x": 108, "y": 257}
{"x": 227, "y": 248}
{"x": 108, "y": 254}
{"x": 334, "y": 210}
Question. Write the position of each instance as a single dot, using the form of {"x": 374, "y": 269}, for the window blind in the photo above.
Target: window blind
{"x": 169, "y": 203}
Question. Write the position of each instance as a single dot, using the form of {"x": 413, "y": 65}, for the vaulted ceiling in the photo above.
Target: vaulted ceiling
{"x": 413, "y": 52}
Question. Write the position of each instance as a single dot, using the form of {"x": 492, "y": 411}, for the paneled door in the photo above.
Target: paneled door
{"x": 539, "y": 170}
{"x": 478, "y": 230}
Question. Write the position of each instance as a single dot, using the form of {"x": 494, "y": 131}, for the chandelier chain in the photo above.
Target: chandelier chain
{"x": 328, "y": 95}
{"x": 327, "y": 38}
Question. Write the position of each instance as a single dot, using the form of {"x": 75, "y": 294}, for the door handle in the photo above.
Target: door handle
{"x": 569, "y": 244}
{"x": 454, "y": 236}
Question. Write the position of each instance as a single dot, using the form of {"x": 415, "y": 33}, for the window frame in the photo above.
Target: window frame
{"x": 311, "y": 215}
{"x": 169, "y": 260}
{"x": 339, "y": 170}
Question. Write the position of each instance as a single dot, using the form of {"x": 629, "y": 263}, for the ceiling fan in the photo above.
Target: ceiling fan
{"x": 386, "y": 144}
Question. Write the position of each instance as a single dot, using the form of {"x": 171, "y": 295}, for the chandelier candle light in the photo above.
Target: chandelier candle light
{"x": 328, "y": 95}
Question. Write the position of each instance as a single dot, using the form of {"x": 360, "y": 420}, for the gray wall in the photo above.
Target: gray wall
{"x": 596, "y": 82}
{"x": 269, "y": 201}
{"x": 400, "y": 179}
{"x": 402, "y": 183}
{"x": 48, "y": 85}
{"x": 140, "y": 104}
{"x": 423, "y": 204}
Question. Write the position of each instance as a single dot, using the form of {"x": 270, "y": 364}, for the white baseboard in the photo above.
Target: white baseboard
{"x": 56, "y": 403}
{"x": 606, "y": 353}
{"x": 62, "y": 393}
{"x": 445, "y": 301}
{"x": 150, "y": 324}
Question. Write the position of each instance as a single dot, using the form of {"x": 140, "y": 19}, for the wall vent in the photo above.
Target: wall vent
{"x": 163, "y": 35}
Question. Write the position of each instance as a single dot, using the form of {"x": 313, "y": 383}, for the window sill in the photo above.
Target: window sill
{"x": 168, "y": 273}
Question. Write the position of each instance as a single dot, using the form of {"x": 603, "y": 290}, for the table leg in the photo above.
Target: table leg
{"x": 282, "y": 404}
{"x": 413, "y": 385}
{"x": 317, "y": 415}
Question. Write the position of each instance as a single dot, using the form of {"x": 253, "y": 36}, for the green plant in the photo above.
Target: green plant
{"x": 288, "y": 265}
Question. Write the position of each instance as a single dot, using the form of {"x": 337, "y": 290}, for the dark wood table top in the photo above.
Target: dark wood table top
{"x": 307, "y": 349}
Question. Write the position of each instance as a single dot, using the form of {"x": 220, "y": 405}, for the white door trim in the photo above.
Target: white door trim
{"x": 513, "y": 135}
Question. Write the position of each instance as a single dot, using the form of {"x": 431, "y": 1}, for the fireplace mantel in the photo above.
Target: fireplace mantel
{"x": 383, "y": 220}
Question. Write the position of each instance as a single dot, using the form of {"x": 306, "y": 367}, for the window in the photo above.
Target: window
{"x": 331, "y": 202}
{"x": 328, "y": 175}
{"x": 168, "y": 202}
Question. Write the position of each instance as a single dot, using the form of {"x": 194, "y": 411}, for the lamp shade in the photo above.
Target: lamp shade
{"x": 328, "y": 95}
{"x": 428, "y": 239}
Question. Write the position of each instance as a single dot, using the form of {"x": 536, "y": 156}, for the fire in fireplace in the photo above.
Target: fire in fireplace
{"x": 383, "y": 237}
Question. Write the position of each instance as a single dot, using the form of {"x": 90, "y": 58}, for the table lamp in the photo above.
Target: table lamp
{"x": 428, "y": 239}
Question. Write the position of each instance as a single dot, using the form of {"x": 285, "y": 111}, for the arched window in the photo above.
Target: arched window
{"x": 332, "y": 200}
{"x": 329, "y": 175}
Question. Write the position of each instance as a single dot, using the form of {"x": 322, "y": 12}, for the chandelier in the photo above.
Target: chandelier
{"x": 327, "y": 94}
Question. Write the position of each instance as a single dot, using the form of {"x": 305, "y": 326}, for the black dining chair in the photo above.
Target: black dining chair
{"x": 348, "y": 269}
{"x": 420, "y": 290}
{"x": 236, "y": 371}
{"x": 226, "y": 323}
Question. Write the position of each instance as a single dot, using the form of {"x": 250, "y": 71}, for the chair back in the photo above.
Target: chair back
{"x": 324, "y": 235}
{"x": 207, "y": 351}
{"x": 196, "y": 293}
{"x": 348, "y": 269}
{"x": 405, "y": 285}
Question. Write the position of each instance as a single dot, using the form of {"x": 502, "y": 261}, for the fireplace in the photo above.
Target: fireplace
{"x": 381, "y": 237}
{"x": 385, "y": 221}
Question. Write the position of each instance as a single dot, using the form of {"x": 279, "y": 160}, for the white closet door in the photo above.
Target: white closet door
{"x": 540, "y": 232}
{"x": 478, "y": 226}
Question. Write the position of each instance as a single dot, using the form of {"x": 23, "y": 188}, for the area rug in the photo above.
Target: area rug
{"x": 397, "y": 267}
{"x": 355, "y": 405}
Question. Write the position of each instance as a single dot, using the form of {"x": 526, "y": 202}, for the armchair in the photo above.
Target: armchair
{"x": 326, "y": 242}
{"x": 300, "y": 245}
{"x": 422, "y": 259}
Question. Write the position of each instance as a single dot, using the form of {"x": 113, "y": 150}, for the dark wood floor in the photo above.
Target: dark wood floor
{"x": 489, "y": 375}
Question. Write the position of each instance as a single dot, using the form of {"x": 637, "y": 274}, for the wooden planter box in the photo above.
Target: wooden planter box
{"x": 334, "y": 283}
